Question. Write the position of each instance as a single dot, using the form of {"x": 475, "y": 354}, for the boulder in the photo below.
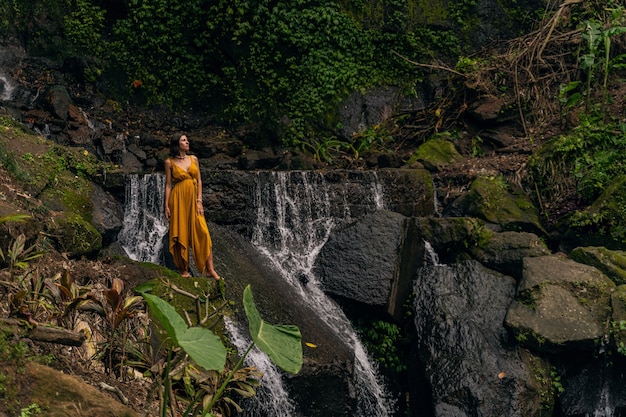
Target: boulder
{"x": 466, "y": 353}
{"x": 361, "y": 261}
{"x": 74, "y": 235}
{"x": 436, "y": 153}
{"x": 492, "y": 199}
{"x": 561, "y": 305}
{"x": 506, "y": 251}
{"x": 610, "y": 262}
{"x": 107, "y": 214}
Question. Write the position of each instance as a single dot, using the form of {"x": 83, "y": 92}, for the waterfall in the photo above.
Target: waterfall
{"x": 604, "y": 407}
{"x": 431, "y": 256}
{"x": 296, "y": 212}
{"x": 271, "y": 399}
{"x": 7, "y": 87}
{"x": 144, "y": 221}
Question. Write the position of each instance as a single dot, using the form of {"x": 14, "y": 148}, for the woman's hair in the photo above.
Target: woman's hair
{"x": 174, "y": 141}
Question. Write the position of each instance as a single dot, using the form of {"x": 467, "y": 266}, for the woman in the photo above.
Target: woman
{"x": 184, "y": 211}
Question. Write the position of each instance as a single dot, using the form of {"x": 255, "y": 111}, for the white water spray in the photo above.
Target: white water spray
{"x": 7, "y": 87}
{"x": 271, "y": 399}
{"x": 144, "y": 221}
{"x": 295, "y": 217}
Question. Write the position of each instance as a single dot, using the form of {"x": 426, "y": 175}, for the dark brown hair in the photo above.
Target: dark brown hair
{"x": 174, "y": 141}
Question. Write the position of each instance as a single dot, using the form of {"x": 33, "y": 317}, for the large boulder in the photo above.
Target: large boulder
{"x": 561, "y": 305}
{"x": 472, "y": 367}
{"x": 361, "y": 261}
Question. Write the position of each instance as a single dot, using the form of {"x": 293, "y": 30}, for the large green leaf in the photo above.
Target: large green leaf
{"x": 202, "y": 345}
{"x": 282, "y": 343}
{"x": 167, "y": 315}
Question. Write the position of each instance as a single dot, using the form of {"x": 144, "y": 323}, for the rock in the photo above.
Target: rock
{"x": 360, "y": 262}
{"x": 618, "y": 322}
{"x": 472, "y": 368}
{"x": 74, "y": 235}
{"x": 490, "y": 198}
{"x": 449, "y": 237}
{"x": 56, "y": 393}
{"x": 505, "y": 251}
{"x": 58, "y": 100}
{"x": 561, "y": 305}
{"x": 107, "y": 215}
{"x": 436, "y": 153}
{"x": 610, "y": 262}
{"x": 409, "y": 192}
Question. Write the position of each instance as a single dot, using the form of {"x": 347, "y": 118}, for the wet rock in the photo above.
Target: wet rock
{"x": 107, "y": 215}
{"x": 472, "y": 366}
{"x": 360, "y": 261}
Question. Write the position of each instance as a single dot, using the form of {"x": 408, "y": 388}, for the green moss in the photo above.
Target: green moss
{"x": 436, "y": 153}
{"x": 75, "y": 235}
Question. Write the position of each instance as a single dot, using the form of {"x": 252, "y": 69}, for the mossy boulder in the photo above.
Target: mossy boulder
{"x": 560, "y": 305}
{"x": 618, "y": 323}
{"x": 494, "y": 200}
{"x": 506, "y": 251}
{"x": 74, "y": 235}
{"x": 450, "y": 237}
{"x": 610, "y": 262}
{"x": 436, "y": 153}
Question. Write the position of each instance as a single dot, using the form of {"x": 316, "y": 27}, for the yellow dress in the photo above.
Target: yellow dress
{"x": 187, "y": 228}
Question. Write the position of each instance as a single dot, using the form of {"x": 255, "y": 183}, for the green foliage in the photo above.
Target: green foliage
{"x": 202, "y": 345}
{"x": 31, "y": 410}
{"x": 592, "y": 153}
{"x": 282, "y": 343}
{"x": 83, "y": 26}
{"x": 13, "y": 356}
{"x": 382, "y": 340}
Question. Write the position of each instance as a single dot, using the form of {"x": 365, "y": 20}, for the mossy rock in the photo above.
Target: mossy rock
{"x": 490, "y": 198}
{"x": 605, "y": 219}
{"x": 611, "y": 262}
{"x": 451, "y": 237}
{"x": 436, "y": 153}
{"x": 74, "y": 235}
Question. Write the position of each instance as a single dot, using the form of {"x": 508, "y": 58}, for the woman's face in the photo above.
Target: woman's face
{"x": 183, "y": 143}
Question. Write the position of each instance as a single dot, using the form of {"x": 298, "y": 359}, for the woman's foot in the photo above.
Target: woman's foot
{"x": 186, "y": 274}
{"x": 214, "y": 275}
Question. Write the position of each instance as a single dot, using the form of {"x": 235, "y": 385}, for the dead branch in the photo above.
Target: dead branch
{"x": 46, "y": 334}
{"x": 430, "y": 66}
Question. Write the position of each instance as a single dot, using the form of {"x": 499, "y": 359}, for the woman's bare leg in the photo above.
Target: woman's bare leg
{"x": 209, "y": 267}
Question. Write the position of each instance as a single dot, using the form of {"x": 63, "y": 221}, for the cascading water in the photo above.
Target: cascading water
{"x": 295, "y": 216}
{"x": 144, "y": 222}
{"x": 296, "y": 212}
{"x": 271, "y": 399}
{"x": 7, "y": 87}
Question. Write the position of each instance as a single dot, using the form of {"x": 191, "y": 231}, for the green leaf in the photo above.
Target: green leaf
{"x": 167, "y": 315}
{"x": 282, "y": 343}
{"x": 204, "y": 347}
{"x": 145, "y": 287}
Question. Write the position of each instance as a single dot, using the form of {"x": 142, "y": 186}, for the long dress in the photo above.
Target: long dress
{"x": 187, "y": 228}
